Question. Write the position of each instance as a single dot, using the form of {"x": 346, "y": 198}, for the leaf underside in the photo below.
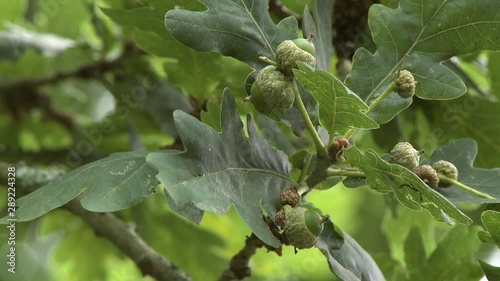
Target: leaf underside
{"x": 410, "y": 190}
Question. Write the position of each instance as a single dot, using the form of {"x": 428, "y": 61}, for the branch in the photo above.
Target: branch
{"x": 130, "y": 243}
{"x": 109, "y": 226}
{"x": 282, "y": 11}
{"x": 239, "y": 267}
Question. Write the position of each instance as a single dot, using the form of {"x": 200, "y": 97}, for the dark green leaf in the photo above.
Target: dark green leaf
{"x": 410, "y": 190}
{"x": 338, "y": 110}
{"x": 116, "y": 182}
{"x": 462, "y": 153}
{"x": 219, "y": 29}
{"x": 491, "y": 221}
{"x": 220, "y": 169}
{"x": 429, "y": 32}
{"x": 345, "y": 256}
{"x": 491, "y": 272}
{"x": 189, "y": 66}
{"x": 317, "y": 21}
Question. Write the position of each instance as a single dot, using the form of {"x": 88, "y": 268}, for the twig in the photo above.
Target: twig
{"x": 130, "y": 243}
{"x": 239, "y": 267}
{"x": 124, "y": 237}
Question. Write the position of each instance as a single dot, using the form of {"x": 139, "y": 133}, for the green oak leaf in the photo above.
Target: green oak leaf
{"x": 345, "y": 256}
{"x": 338, "y": 109}
{"x": 461, "y": 153}
{"x": 448, "y": 261}
{"x": 317, "y": 21}
{"x": 220, "y": 169}
{"x": 410, "y": 190}
{"x": 429, "y": 32}
{"x": 491, "y": 272}
{"x": 116, "y": 182}
{"x": 189, "y": 66}
{"x": 491, "y": 221}
{"x": 241, "y": 29}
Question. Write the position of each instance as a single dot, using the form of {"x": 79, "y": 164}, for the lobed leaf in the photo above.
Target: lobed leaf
{"x": 220, "y": 169}
{"x": 241, "y": 29}
{"x": 116, "y": 182}
{"x": 410, "y": 190}
{"x": 429, "y": 32}
{"x": 491, "y": 221}
{"x": 338, "y": 109}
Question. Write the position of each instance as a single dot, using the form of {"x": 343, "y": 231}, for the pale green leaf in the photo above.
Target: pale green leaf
{"x": 116, "y": 182}
{"x": 338, "y": 109}
{"x": 410, "y": 190}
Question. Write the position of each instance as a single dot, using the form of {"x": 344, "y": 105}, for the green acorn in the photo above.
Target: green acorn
{"x": 274, "y": 88}
{"x": 302, "y": 226}
{"x": 428, "y": 175}
{"x": 405, "y": 84}
{"x": 405, "y": 155}
{"x": 290, "y": 52}
{"x": 446, "y": 169}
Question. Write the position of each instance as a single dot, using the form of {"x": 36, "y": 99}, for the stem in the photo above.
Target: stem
{"x": 464, "y": 187}
{"x": 320, "y": 148}
{"x": 372, "y": 106}
{"x": 268, "y": 60}
{"x": 305, "y": 170}
{"x": 344, "y": 173}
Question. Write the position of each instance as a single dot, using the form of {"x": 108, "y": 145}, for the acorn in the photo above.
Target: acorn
{"x": 290, "y": 196}
{"x": 405, "y": 155}
{"x": 428, "y": 175}
{"x": 302, "y": 226}
{"x": 274, "y": 88}
{"x": 279, "y": 218}
{"x": 405, "y": 84}
{"x": 446, "y": 169}
{"x": 289, "y": 52}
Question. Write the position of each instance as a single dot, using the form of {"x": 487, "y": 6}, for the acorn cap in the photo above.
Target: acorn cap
{"x": 428, "y": 175}
{"x": 275, "y": 88}
{"x": 289, "y": 53}
{"x": 405, "y": 84}
{"x": 302, "y": 226}
{"x": 446, "y": 169}
{"x": 290, "y": 196}
{"x": 405, "y": 155}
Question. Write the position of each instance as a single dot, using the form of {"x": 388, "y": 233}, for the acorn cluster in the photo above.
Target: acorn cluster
{"x": 273, "y": 87}
{"x": 405, "y": 155}
{"x": 301, "y": 225}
